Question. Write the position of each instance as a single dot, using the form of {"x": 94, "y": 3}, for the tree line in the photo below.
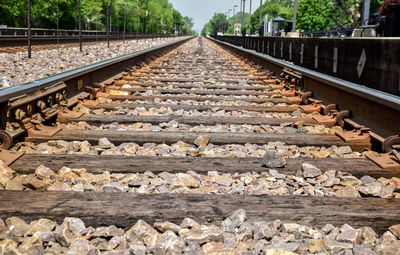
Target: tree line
{"x": 312, "y": 15}
{"x": 142, "y": 16}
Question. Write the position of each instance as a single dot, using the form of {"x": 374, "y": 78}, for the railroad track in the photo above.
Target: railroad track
{"x": 53, "y": 45}
{"x": 190, "y": 148}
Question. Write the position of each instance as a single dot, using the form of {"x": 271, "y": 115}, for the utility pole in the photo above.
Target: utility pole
{"x": 365, "y": 15}
{"x": 260, "y": 18}
{"x": 80, "y": 25}
{"x": 107, "y": 21}
{"x": 250, "y": 18}
{"x": 244, "y": 9}
{"x": 123, "y": 41}
{"x": 294, "y": 15}
{"x": 29, "y": 30}
{"x": 137, "y": 25}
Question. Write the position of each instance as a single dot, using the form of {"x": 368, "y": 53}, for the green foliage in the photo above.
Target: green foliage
{"x": 314, "y": 14}
{"x": 153, "y": 16}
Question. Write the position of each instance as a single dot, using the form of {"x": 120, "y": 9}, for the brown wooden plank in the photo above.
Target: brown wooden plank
{"x": 288, "y": 100}
{"x": 201, "y": 92}
{"x": 139, "y": 164}
{"x": 219, "y": 138}
{"x": 200, "y": 120}
{"x": 174, "y": 107}
{"x": 186, "y": 85}
{"x": 124, "y": 209}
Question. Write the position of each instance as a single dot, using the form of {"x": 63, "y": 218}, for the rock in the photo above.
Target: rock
{"x": 263, "y": 231}
{"x": 297, "y": 113}
{"x": 74, "y": 146}
{"x": 274, "y": 158}
{"x": 368, "y": 236}
{"x": 349, "y": 234}
{"x": 213, "y": 247}
{"x": 59, "y": 186}
{"x": 276, "y": 174}
{"x": 310, "y": 171}
{"x": 228, "y": 226}
{"x": 75, "y": 225}
{"x": 43, "y": 172}
{"x": 109, "y": 231}
{"x": 336, "y": 246}
{"x": 78, "y": 246}
{"x": 17, "y": 226}
{"x": 348, "y": 191}
{"x": 118, "y": 243}
{"x": 138, "y": 250}
{"x": 165, "y": 226}
{"x": 395, "y": 229}
{"x": 41, "y": 225}
{"x": 104, "y": 143}
{"x": 184, "y": 180}
{"x": 238, "y": 217}
{"x": 144, "y": 232}
{"x": 32, "y": 245}
{"x": 315, "y": 245}
{"x": 64, "y": 235}
{"x": 377, "y": 189}
{"x": 229, "y": 240}
{"x": 201, "y": 234}
{"x": 202, "y": 140}
{"x": 343, "y": 150}
{"x": 388, "y": 248}
{"x": 189, "y": 223}
{"x": 8, "y": 246}
{"x": 367, "y": 179}
{"x": 86, "y": 147}
{"x": 114, "y": 187}
{"x": 168, "y": 243}
{"x": 277, "y": 252}
{"x": 33, "y": 183}
{"x": 361, "y": 250}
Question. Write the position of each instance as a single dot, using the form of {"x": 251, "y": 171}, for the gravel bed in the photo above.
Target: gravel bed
{"x": 235, "y": 235}
{"x": 201, "y": 148}
{"x": 284, "y": 128}
{"x": 310, "y": 181}
{"x": 16, "y": 68}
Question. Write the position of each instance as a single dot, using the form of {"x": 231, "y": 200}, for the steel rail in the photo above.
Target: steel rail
{"x": 29, "y": 87}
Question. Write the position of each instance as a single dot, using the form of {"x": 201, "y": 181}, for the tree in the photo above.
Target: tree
{"x": 157, "y": 16}
{"x": 314, "y": 14}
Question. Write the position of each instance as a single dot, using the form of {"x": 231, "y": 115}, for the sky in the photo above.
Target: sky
{"x": 202, "y": 10}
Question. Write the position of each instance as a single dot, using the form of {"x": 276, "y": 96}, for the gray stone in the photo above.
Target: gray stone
{"x": 104, "y": 143}
{"x": 366, "y": 179}
{"x": 310, "y": 171}
{"x": 361, "y": 250}
{"x": 76, "y": 225}
{"x": 114, "y": 187}
{"x": 274, "y": 158}
{"x": 78, "y": 246}
{"x": 395, "y": 229}
{"x": 238, "y": 217}
{"x": 144, "y": 232}
{"x": 202, "y": 140}
{"x": 168, "y": 243}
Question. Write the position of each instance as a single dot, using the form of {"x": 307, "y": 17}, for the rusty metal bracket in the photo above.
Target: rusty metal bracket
{"x": 387, "y": 145}
{"x": 305, "y": 97}
{"x": 328, "y": 109}
{"x": 9, "y": 157}
{"x": 340, "y": 116}
{"x": 385, "y": 161}
{"x": 5, "y": 140}
{"x": 310, "y": 108}
{"x": 65, "y": 113}
{"x": 42, "y": 130}
{"x": 327, "y": 120}
{"x": 288, "y": 93}
{"x": 356, "y": 135}
{"x": 278, "y": 87}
